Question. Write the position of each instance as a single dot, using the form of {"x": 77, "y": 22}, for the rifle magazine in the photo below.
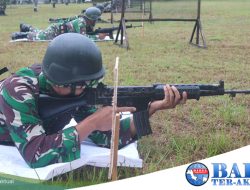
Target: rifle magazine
{"x": 142, "y": 124}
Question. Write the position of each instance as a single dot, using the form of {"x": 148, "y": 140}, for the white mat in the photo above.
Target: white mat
{"x": 107, "y": 38}
{"x": 11, "y": 162}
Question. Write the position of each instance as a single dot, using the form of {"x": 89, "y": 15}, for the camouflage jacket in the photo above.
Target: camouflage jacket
{"x": 42, "y": 143}
{"x": 77, "y": 25}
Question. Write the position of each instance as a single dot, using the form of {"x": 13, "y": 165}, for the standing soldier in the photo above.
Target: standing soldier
{"x": 35, "y": 5}
{"x": 53, "y": 3}
{"x": 66, "y": 2}
{"x": 2, "y": 7}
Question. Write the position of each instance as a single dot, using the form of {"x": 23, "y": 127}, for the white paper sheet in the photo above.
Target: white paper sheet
{"x": 11, "y": 162}
{"x": 106, "y": 39}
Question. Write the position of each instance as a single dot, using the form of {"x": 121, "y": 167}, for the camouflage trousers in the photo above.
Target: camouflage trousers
{"x": 48, "y": 34}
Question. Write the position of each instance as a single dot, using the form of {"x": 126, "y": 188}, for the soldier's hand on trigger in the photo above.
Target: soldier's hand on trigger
{"x": 102, "y": 118}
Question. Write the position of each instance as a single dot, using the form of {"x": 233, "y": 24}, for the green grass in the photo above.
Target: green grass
{"x": 194, "y": 131}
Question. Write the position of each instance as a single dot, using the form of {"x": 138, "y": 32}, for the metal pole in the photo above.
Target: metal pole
{"x": 150, "y": 7}
{"x": 160, "y": 19}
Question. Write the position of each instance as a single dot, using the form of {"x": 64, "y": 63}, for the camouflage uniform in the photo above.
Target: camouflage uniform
{"x": 2, "y": 7}
{"x": 43, "y": 142}
{"x": 78, "y": 25}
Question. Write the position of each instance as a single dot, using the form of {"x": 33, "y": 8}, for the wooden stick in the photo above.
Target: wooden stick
{"x": 114, "y": 175}
{"x": 142, "y": 23}
{"x": 125, "y": 33}
{"x": 115, "y": 129}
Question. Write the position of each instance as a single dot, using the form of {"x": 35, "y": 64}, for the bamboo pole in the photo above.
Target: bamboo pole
{"x": 115, "y": 129}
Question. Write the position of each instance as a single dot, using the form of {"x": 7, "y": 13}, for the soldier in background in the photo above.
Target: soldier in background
{"x": 82, "y": 25}
{"x": 116, "y": 5}
{"x": 104, "y": 6}
{"x": 35, "y": 2}
{"x": 2, "y": 7}
{"x": 53, "y": 3}
{"x": 66, "y": 2}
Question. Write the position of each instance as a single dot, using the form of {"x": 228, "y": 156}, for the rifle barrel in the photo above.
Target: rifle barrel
{"x": 232, "y": 93}
{"x": 237, "y": 91}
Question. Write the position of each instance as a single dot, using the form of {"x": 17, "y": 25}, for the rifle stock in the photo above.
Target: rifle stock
{"x": 136, "y": 96}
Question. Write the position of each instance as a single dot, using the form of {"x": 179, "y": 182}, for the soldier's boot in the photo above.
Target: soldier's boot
{"x": 25, "y": 27}
{"x": 19, "y": 35}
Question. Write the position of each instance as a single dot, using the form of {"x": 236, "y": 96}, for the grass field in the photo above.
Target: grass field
{"x": 194, "y": 131}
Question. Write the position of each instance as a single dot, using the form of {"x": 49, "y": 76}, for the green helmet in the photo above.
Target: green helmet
{"x": 72, "y": 59}
{"x": 92, "y": 13}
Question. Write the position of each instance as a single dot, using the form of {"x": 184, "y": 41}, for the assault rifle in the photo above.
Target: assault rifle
{"x": 136, "y": 96}
{"x": 109, "y": 30}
